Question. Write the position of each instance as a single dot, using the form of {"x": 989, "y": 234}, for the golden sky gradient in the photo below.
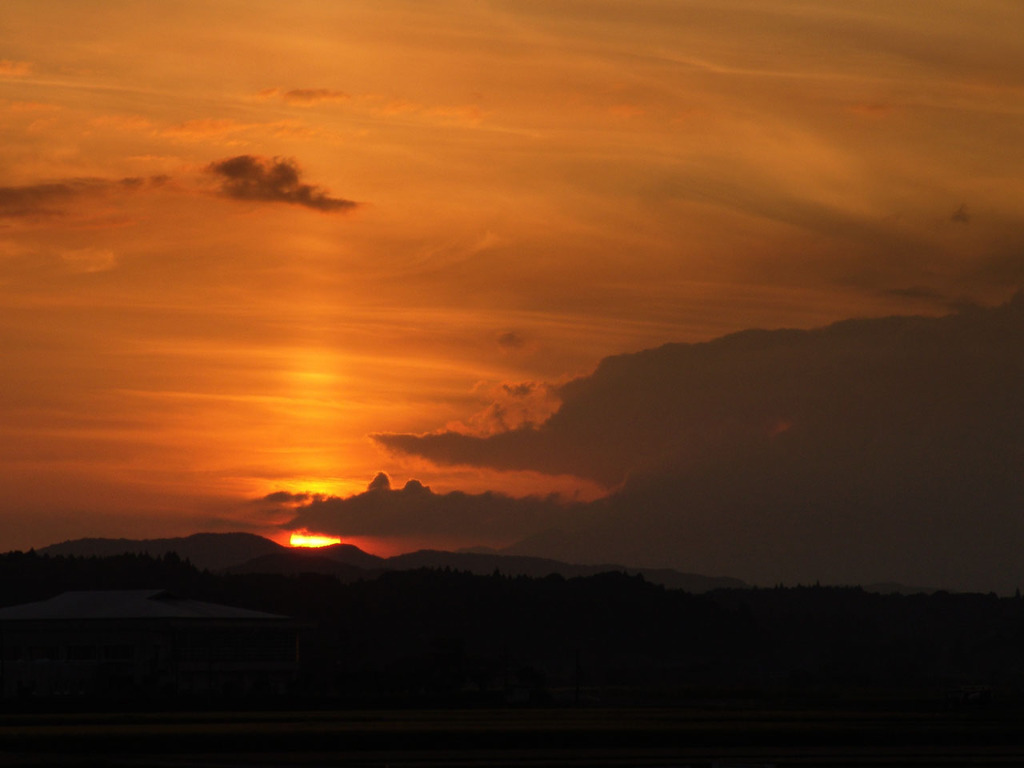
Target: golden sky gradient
{"x": 469, "y": 196}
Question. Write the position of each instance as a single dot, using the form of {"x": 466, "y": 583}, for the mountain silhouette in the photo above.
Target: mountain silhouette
{"x": 537, "y": 567}
{"x": 209, "y": 551}
{"x": 346, "y": 553}
{"x": 249, "y": 553}
{"x": 296, "y": 563}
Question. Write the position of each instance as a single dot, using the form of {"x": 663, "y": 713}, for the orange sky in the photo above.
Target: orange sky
{"x": 537, "y": 185}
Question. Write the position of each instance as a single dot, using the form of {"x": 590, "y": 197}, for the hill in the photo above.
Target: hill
{"x": 209, "y": 551}
{"x": 248, "y": 553}
{"x": 446, "y": 637}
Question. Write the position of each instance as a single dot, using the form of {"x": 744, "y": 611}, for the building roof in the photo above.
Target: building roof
{"x": 126, "y": 604}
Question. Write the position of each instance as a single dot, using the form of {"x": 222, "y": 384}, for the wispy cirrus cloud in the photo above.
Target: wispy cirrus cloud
{"x": 203, "y": 128}
{"x": 277, "y": 180}
{"x": 379, "y": 104}
{"x": 89, "y": 260}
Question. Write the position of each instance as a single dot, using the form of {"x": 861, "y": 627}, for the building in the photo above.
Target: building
{"x": 143, "y": 643}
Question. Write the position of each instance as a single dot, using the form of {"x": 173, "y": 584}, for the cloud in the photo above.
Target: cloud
{"x": 89, "y": 260}
{"x": 10, "y": 68}
{"x": 286, "y": 497}
{"x": 204, "y": 128}
{"x": 876, "y": 449}
{"x": 510, "y": 406}
{"x": 511, "y": 340}
{"x": 961, "y": 215}
{"x": 523, "y": 389}
{"x": 920, "y": 292}
{"x": 254, "y": 178}
{"x": 32, "y": 107}
{"x": 415, "y": 510}
{"x": 673, "y": 404}
{"x": 35, "y": 200}
{"x": 51, "y": 199}
{"x": 305, "y": 97}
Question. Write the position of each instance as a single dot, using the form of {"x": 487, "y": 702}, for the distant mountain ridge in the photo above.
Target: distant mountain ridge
{"x": 538, "y": 567}
{"x": 210, "y": 551}
{"x": 249, "y": 553}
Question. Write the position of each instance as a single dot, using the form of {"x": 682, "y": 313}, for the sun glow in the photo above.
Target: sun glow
{"x": 308, "y": 540}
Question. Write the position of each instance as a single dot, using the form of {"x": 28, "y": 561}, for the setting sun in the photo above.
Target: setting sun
{"x": 304, "y": 540}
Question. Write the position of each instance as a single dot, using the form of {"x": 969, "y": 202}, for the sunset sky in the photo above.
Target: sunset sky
{"x": 250, "y": 251}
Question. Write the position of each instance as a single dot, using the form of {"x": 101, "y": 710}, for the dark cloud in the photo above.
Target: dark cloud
{"x": 285, "y": 497}
{"x": 961, "y": 215}
{"x": 36, "y": 200}
{"x": 381, "y": 482}
{"x": 281, "y": 503}
{"x": 512, "y": 405}
{"x": 53, "y": 198}
{"x": 867, "y": 450}
{"x": 416, "y": 510}
{"x": 523, "y": 389}
{"x": 309, "y": 96}
{"x": 511, "y": 340}
{"x": 255, "y": 178}
{"x": 920, "y": 292}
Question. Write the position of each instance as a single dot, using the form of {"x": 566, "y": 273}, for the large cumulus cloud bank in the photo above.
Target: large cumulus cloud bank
{"x": 867, "y": 450}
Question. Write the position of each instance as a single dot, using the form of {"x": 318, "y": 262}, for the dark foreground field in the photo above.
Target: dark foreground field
{"x": 441, "y": 668}
{"x": 541, "y": 737}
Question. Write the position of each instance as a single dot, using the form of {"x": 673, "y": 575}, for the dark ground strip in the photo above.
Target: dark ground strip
{"x": 513, "y": 739}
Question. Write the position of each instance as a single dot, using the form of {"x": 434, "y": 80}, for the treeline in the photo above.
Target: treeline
{"x": 441, "y": 636}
